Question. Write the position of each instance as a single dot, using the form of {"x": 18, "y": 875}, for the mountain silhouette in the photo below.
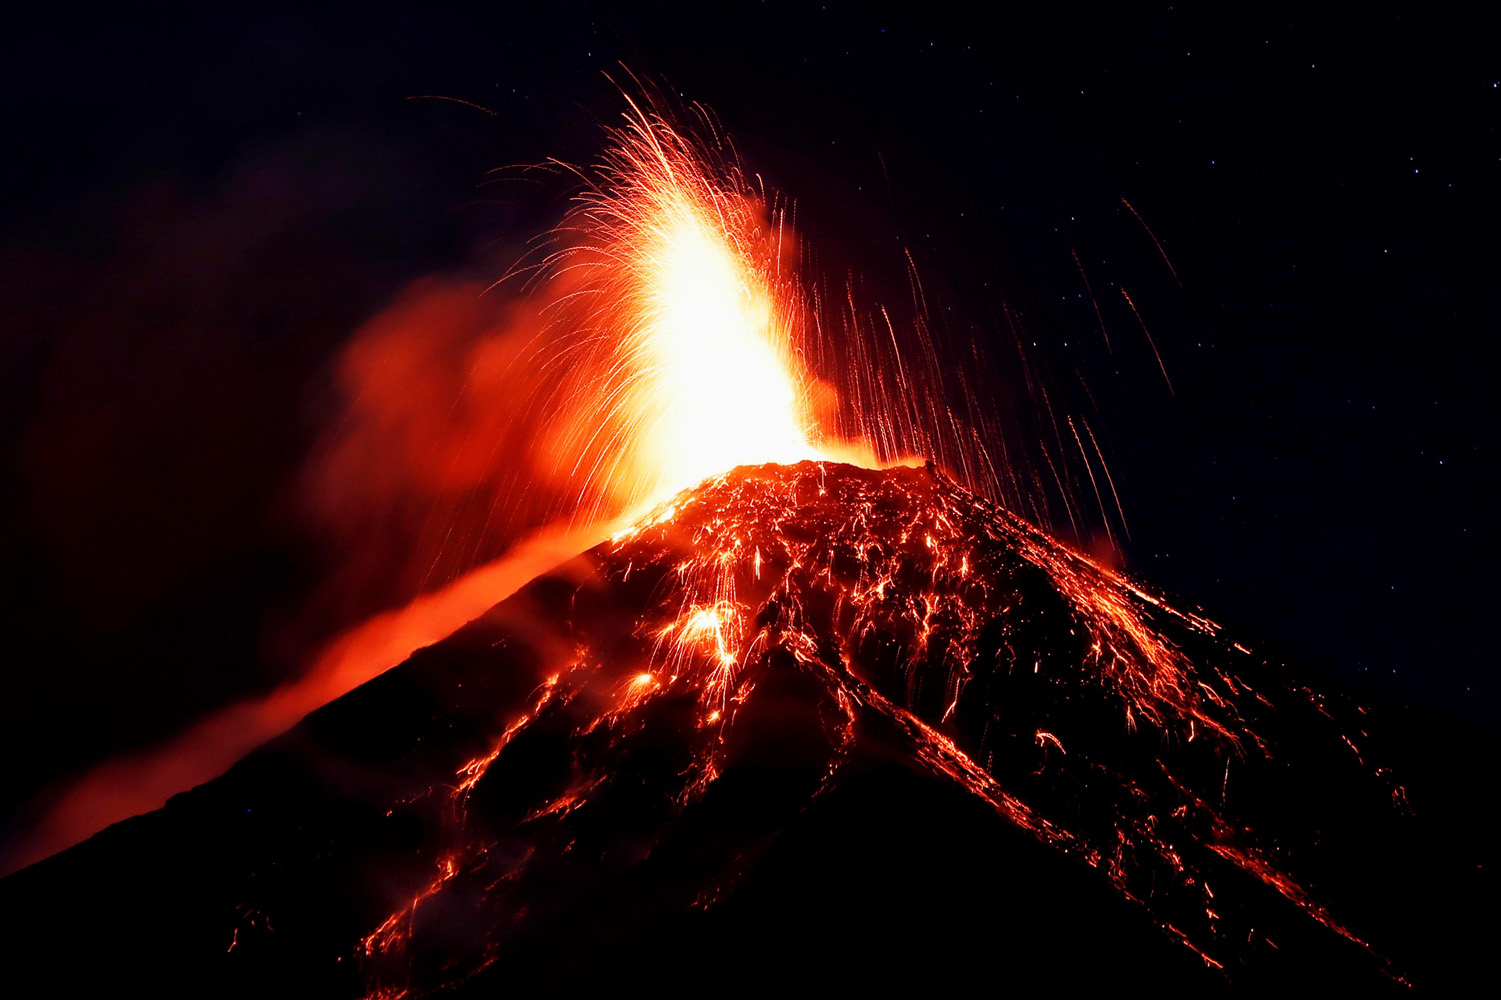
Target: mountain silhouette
{"x": 807, "y": 726}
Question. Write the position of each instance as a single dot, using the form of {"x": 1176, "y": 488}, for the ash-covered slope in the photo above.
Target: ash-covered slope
{"x": 808, "y": 724}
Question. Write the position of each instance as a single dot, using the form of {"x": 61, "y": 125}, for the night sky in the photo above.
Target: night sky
{"x": 203, "y": 203}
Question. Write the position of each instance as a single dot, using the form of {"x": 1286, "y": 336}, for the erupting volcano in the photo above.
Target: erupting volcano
{"x": 798, "y": 719}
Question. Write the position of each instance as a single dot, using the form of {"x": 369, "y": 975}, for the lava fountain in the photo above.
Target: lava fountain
{"x": 679, "y": 345}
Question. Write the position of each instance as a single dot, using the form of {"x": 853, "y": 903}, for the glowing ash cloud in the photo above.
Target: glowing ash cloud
{"x": 655, "y": 347}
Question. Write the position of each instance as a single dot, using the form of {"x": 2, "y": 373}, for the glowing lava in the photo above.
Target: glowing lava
{"x": 679, "y": 341}
{"x": 717, "y": 386}
{"x": 914, "y": 619}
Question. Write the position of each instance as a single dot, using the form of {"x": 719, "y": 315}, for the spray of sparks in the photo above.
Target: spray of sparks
{"x": 677, "y": 333}
{"x": 909, "y": 598}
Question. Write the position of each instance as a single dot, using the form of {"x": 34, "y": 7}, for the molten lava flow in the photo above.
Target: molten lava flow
{"x": 920, "y": 621}
{"x": 130, "y": 786}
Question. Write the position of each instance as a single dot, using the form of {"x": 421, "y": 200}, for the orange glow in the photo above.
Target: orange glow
{"x": 657, "y": 349}
{"x": 886, "y": 584}
{"x": 674, "y": 326}
{"x": 662, "y": 339}
{"x": 129, "y": 786}
{"x": 716, "y": 388}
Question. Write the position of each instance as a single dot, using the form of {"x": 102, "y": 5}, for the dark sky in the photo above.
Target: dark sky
{"x": 203, "y": 202}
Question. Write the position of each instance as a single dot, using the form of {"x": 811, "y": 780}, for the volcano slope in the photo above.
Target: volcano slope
{"x": 806, "y": 725}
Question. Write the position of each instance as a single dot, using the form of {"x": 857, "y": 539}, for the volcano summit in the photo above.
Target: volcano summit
{"x": 805, "y": 723}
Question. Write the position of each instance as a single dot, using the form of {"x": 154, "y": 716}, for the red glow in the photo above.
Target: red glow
{"x": 886, "y": 589}
{"x": 659, "y": 342}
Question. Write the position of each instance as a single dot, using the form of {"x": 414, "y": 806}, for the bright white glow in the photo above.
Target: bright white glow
{"x": 720, "y": 390}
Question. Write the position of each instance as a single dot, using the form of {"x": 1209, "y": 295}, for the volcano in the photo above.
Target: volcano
{"x": 803, "y": 726}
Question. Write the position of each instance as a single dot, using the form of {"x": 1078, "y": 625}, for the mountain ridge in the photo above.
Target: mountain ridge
{"x": 691, "y": 733}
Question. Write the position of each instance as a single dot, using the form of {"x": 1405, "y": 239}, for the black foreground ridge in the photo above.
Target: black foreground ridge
{"x": 805, "y": 725}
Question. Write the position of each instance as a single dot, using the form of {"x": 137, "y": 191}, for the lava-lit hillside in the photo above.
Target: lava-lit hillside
{"x": 805, "y": 720}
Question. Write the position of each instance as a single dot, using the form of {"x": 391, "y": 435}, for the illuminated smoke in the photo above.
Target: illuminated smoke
{"x": 658, "y": 339}
{"x": 660, "y": 335}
